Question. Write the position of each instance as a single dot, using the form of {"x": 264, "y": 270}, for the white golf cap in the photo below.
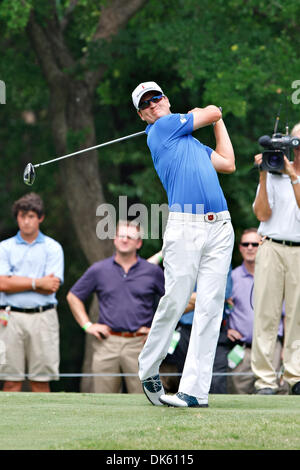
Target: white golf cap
{"x": 143, "y": 88}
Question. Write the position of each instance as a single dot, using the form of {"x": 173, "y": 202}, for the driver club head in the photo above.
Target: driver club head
{"x": 29, "y": 174}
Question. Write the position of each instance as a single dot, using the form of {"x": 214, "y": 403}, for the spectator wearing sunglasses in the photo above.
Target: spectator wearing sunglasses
{"x": 242, "y": 316}
{"x": 198, "y": 241}
{"x": 277, "y": 273}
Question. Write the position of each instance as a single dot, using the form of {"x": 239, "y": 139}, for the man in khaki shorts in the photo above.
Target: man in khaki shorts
{"x": 31, "y": 271}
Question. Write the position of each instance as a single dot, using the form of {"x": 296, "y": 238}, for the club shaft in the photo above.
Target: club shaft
{"x": 90, "y": 148}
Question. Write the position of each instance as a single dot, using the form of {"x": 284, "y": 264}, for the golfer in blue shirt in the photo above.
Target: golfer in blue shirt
{"x": 197, "y": 245}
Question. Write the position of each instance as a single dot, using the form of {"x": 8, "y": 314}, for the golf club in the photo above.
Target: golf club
{"x": 29, "y": 172}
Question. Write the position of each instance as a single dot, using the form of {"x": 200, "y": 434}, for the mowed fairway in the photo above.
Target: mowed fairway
{"x": 74, "y": 421}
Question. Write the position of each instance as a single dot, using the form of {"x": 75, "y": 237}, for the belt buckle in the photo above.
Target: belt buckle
{"x": 210, "y": 217}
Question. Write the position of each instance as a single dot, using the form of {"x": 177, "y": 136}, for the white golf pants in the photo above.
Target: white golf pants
{"x": 194, "y": 252}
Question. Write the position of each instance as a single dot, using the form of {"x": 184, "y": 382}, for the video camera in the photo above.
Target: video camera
{"x": 278, "y": 145}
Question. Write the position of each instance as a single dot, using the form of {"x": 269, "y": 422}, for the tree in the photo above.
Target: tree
{"x": 73, "y": 65}
{"x": 93, "y": 53}
{"x": 62, "y": 33}
{"x": 72, "y": 84}
{"x": 72, "y": 88}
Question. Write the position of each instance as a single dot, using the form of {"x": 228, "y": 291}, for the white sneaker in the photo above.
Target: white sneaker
{"x": 182, "y": 400}
{"x": 153, "y": 389}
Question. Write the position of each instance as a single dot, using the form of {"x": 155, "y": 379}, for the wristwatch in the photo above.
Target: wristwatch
{"x": 297, "y": 181}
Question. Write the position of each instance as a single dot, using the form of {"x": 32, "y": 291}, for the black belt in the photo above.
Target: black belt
{"x": 284, "y": 242}
{"x": 29, "y": 310}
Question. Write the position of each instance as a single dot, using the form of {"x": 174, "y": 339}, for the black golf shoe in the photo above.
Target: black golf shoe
{"x": 182, "y": 400}
{"x": 296, "y": 389}
{"x": 153, "y": 389}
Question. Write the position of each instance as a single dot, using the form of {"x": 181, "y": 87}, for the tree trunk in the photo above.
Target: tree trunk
{"x": 71, "y": 116}
{"x": 80, "y": 176}
{"x": 71, "y": 112}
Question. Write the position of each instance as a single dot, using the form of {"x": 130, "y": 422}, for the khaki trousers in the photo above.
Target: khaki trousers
{"x": 116, "y": 355}
{"x": 277, "y": 277}
{"x": 239, "y": 384}
{"x": 30, "y": 342}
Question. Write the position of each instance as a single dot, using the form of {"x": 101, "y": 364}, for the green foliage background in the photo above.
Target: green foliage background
{"x": 241, "y": 55}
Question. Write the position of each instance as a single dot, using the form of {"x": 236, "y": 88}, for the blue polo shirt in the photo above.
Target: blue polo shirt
{"x": 37, "y": 259}
{"x": 126, "y": 300}
{"x": 184, "y": 166}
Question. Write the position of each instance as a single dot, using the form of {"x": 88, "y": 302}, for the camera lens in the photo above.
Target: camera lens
{"x": 274, "y": 160}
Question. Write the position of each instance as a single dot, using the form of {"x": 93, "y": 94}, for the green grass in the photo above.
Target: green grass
{"x": 73, "y": 421}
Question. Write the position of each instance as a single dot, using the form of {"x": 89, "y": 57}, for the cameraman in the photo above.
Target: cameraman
{"x": 277, "y": 274}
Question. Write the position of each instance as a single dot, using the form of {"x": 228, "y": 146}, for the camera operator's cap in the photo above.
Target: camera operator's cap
{"x": 141, "y": 89}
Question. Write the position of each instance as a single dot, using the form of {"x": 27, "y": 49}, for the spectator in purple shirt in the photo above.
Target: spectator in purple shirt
{"x": 127, "y": 287}
{"x": 242, "y": 315}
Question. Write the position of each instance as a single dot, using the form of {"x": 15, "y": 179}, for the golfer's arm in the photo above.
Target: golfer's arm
{"x": 261, "y": 206}
{"x": 78, "y": 309}
{"x": 223, "y": 158}
{"x": 205, "y": 116}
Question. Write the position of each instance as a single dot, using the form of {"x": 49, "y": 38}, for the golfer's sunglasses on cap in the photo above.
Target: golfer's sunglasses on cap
{"x": 145, "y": 104}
